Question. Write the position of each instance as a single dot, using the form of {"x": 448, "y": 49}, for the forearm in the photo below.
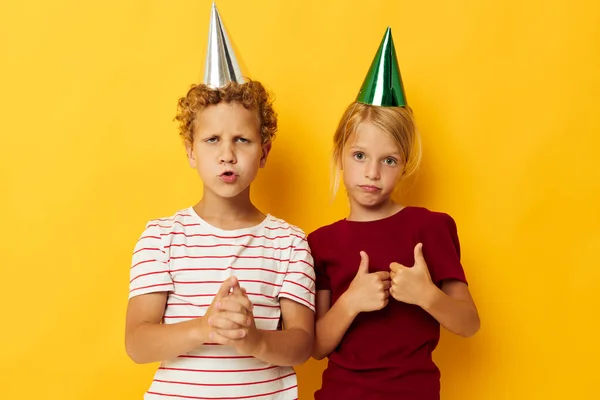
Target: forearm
{"x": 289, "y": 347}
{"x": 458, "y": 316}
{"x": 153, "y": 342}
{"x": 331, "y": 328}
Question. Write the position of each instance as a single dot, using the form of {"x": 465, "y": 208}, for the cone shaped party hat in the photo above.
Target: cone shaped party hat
{"x": 222, "y": 64}
{"x": 383, "y": 84}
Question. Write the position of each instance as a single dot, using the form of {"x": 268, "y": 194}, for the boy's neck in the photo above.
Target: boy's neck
{"x": 381, "y": 211}
{"x": 229, "y": 213}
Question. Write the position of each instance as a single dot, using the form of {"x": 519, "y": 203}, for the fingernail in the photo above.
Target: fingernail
{"x": 218, "y": 304}
{"x": 210, "y": 320}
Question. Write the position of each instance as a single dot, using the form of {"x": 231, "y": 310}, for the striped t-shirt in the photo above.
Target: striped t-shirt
{"x": 189, "y": 258}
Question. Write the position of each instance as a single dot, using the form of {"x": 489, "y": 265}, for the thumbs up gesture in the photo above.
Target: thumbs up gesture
{"x": 409, "y": 285}
{"x": 368, "y": 291}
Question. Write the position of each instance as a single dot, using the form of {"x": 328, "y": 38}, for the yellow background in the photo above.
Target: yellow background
{"x": 506, "y": 96}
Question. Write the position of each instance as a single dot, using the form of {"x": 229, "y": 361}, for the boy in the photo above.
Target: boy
{"x": 211, "y": 284}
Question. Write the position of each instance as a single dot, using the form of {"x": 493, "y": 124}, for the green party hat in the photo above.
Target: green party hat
{"x": 383, "y": 84}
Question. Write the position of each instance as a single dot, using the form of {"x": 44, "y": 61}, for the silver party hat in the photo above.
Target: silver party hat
{"x": 222, "y": 65}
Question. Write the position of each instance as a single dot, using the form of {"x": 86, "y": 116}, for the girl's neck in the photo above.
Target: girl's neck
{"x": 229, "y": 212}
{"x": 380, "y": 211}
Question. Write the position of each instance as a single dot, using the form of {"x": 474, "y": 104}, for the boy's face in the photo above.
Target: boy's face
{"x": 227, "y": 150}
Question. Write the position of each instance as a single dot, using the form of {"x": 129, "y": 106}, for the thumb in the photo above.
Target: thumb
{"x": 363, "y": 267}
{"x": 226, "y": 286}
{"x": 419, "y": 259}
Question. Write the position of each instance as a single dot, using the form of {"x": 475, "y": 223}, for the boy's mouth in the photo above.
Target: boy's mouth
{"x": 228, "y": 177}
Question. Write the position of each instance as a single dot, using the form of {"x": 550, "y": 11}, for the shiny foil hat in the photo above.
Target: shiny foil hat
{"x": 222, "y": 65}
{"x": 383, "y": 84}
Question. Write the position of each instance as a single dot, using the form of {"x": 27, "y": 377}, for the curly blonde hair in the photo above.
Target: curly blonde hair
{"x": 251, "y": 94}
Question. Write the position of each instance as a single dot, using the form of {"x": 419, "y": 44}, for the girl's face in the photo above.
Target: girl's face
{"x": 372, "y": 166}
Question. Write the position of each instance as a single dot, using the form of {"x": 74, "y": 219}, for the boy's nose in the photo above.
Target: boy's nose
{"x": 227, "y": 156}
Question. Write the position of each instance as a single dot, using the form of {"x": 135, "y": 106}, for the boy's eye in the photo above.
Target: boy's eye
{"x": 243, "y": 140}
{"x": 359, "y": 156}
{"x": 390, "y": 161}
{"x": 212, "y": 139}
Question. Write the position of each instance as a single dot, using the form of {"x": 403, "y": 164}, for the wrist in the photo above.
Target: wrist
{"x": 430, "y": 297}
{"x": 199, "y": 330}
{"x": 260, "y": 344}
{"x": 347, "y": 305}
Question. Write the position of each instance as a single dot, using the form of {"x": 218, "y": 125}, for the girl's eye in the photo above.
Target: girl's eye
{"x": 243, "y": 140}
{"x": 390, "y": 161}
{"x": 212, "y": 139}
{"x": 359, "y": 156}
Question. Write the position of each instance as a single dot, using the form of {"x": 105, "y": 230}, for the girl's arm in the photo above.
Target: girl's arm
{"x": 367, "y": 292}
{"x": 453, "y": 307}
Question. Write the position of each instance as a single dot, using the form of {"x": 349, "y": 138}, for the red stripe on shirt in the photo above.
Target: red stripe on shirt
{"x": 147, "y": 249}
{"x": 173, "y": 217}
{"x": 247, "y": 246}
{"x": 296, "y": 297}
{"x": 149, "y": 273}
{"x": 219, "y": 282}
{"x": 228, "y": 268}
{"x": 149, "y": 286}
{"x": 208, "y": 305}
{"x": 219, "y": 370}
{"x": 222, "y": 398}
{"x": 236, "y": 256}
{"x": 218, "y": 357}
{"x": 226, "y": 384}
{"x": 174, "y": 222}
{"x": 302, "y": 273}
{"x": 143, "y": 262}
{"x": 231, "y": 237}
{"x": 300, "y": 285}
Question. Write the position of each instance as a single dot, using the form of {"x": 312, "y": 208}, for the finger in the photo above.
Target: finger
{"x": 227, "y": 320}
{"x": 226, "y": 287}
{"x": 231, "y": 334}
{"x": 363, "y": 267}
{"x": 243, "y": 301}
{"x": 395, "y": 267}
{"x": 223, "y": 337}
{"x": 237, "y": 304}
{"x": 419, "y": 259}
{"x": 383, "y": 275}
{"x": 387, "y": 285}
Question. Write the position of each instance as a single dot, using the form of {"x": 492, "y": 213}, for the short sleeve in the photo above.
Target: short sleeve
{"x": 149, "y": 271}
{"x": 441, "y": 249}
{"x": 323, "y": 282}
{"x": 299, "y": 281}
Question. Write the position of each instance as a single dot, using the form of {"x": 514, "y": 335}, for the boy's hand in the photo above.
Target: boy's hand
{"x": 227, "y": 312}
{"x": 234, "y": 326}
{"x": 411, "y": 285}
{"x": 368, "y": 291}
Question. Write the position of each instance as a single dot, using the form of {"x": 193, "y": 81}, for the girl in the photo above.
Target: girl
{"x": 388, "y": 275}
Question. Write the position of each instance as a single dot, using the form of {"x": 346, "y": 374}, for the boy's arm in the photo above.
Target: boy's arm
{"x": 291, "y": 346}
{"x": 147, "y": 340}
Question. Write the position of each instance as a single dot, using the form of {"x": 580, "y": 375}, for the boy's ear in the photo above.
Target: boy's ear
{"x": 189, "y": 149}
{"x": 266, "y": 148}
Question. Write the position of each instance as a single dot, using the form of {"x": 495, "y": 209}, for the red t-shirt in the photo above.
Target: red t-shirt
{"x": 385, "y": 354}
